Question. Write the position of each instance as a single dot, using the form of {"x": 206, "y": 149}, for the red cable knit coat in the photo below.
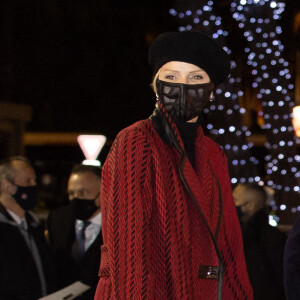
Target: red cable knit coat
{"x": 161, "y": 218}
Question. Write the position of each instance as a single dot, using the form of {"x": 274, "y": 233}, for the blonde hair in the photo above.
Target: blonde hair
{"x": 153, "y": 84}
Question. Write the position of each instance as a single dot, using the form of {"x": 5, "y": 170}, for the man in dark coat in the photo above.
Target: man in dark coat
{"x": 25, "y": 257}
{"x": 263, "y": 244}
{"x": 75, "y": 230}
{"x": 292, "y": 263}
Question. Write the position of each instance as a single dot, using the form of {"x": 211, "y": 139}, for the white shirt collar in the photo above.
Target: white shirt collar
{"x": 97, "y": 219}
{"x": 15, "y": 217}
{"x": 92, "y": 230}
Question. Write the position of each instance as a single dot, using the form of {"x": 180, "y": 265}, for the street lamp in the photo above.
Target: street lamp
{"x": 91, "y": 145}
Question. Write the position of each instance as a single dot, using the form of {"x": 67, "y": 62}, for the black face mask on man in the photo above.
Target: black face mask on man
{"x": 84, "y": 208}
{"x": 26, "y": 196}
{"x": 184, "y": 101}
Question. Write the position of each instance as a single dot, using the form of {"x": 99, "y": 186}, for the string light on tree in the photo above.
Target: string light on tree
{"x": 259, "y": 20}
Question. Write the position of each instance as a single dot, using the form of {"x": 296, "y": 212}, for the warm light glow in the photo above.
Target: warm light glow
{"x": 296, "y": 120}
{"x": 89, "y": 162}
{"x": 91, "y": 145}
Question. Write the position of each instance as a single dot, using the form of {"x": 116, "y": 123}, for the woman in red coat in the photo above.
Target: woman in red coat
{"x": 170, "y": 228}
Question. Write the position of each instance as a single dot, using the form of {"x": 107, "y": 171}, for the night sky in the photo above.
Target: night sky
{"x": 82, "y": 65}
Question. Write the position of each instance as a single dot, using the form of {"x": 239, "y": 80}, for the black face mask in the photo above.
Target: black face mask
{"x": 25, "y": 196}
{"x": 184, "y": 101}
{"x": 84, "y": 208}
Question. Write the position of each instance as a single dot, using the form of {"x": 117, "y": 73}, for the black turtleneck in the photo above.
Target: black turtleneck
{"x": 188, "y": 132}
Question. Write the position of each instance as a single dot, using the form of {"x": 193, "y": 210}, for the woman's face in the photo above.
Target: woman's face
{"x": 182, "y": 72}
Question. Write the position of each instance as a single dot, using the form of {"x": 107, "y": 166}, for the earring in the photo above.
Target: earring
{"x": 211, "y": 97}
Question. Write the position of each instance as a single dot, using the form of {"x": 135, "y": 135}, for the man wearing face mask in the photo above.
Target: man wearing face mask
{"x": 75, "y": 230}
{"x": 25, "y": 257}
{"x": 263, "y": 244}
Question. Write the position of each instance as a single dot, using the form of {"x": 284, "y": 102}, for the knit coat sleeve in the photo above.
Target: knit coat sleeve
{"x": 126, "y": 198}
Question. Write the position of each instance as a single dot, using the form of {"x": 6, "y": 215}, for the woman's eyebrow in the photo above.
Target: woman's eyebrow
{"x": 196, "y": 71}
{"x": 170, "y": 70}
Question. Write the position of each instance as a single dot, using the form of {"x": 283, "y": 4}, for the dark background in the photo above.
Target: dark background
{"x": 82, "y": 65}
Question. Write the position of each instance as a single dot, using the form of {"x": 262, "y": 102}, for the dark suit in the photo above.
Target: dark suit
{"x": 61, "y": 227}
{"x": 263, "y": 247}
{"x": 292, "y": 263}
{"x": 19, "y": 278}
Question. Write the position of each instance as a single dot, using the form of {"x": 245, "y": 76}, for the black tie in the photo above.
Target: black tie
{"x": 80, "y": 237}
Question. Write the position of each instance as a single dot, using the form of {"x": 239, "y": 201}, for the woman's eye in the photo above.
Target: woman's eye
{"x": 198, "y": 77}
{"x": 170, "y": 77}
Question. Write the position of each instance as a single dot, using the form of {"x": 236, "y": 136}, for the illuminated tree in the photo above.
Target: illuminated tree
{"x": 259, "y": 19}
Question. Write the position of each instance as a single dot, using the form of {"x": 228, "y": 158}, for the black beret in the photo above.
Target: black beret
{"x": 191, "y": 47}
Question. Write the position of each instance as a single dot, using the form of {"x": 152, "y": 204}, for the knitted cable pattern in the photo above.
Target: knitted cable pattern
{"x": 154, "y": 237}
